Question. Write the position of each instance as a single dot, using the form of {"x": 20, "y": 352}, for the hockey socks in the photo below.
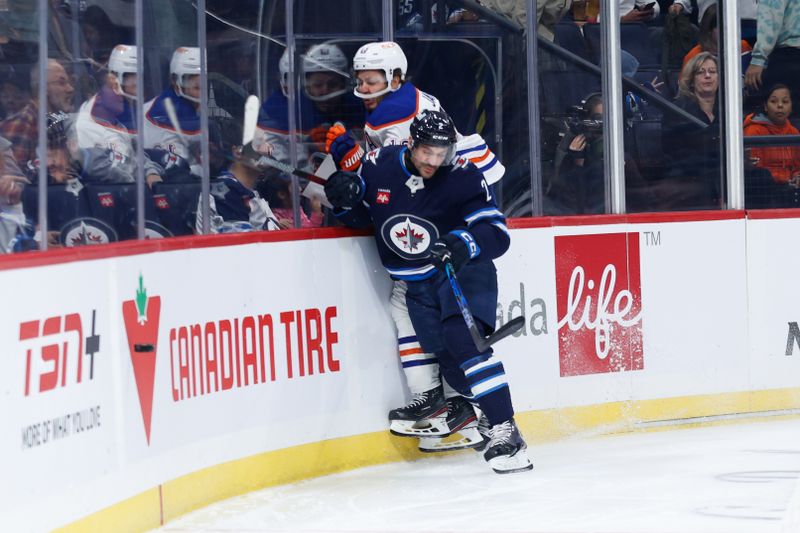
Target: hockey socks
{"x": 486, "y": 378}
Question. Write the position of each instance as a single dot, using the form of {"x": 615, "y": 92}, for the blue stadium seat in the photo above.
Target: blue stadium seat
{"x": 560, "y": 90}
{"x": 569, "y": 37}
{"x": 637, "y": 39}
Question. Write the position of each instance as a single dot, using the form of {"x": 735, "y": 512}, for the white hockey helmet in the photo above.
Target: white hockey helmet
{"x": 185, "y": 62}
{"x": 123, "y": 60}
{"x": 326, "y": 57}
{"x": 386, "y": 56}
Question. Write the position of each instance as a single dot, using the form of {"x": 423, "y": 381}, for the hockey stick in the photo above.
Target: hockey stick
{"x": 173, "y": 117}
{"x": 481, "y": 342}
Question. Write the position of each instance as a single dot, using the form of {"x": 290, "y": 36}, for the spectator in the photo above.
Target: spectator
{"x": 638, "y": 10}
{"x": 234, "y": 204}
{"x": 709, "y": 36}
{"x": 777, "y": 47}
{"x": 21, "y": 128}
{"x": 278, "y": 194}
{"x": 548, "y": 12}
{"x": 783, "y": 162}
{"x": 13, "y": 234}
{"x": 747, "y": 8}
{"x": 695, "y": 149}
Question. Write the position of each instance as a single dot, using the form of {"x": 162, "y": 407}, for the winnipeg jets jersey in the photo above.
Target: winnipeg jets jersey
{"x": 234, "y": 208}
{"x": 390, "y": 123}
{"x": 160, "y": 134}
{"x": 409, "y": 213}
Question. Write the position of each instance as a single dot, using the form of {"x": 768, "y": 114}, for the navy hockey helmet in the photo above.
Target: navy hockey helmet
{"x": 434, "y": 128}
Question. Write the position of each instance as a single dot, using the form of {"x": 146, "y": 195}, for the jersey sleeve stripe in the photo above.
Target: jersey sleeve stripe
{"x": 489, "y": 212}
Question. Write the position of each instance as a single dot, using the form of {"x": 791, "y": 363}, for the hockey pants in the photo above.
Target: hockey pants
{"x": 441, "y": 330}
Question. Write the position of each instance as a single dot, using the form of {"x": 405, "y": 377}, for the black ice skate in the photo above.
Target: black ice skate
{"x": 461, "y": 429}
{"x": 505, "y": 451}
{"x": 424, "y": 416}
{"x": 484, "y": 429}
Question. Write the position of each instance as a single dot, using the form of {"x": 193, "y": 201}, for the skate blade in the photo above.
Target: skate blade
{"x": 429, "y": 427}
{"x": 518, "y": 462}
{"x": 466, "y": 438}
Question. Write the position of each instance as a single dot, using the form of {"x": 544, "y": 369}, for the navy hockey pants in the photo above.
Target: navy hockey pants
{"x": 441, "y": 330}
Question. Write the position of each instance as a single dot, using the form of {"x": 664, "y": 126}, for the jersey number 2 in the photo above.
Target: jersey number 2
{"x": 488, "y": 191}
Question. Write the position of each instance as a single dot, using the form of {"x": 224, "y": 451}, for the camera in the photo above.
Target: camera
{"x": 579, "y": 122}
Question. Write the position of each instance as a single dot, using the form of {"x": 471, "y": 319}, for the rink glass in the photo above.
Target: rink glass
{"x": 477, "y": 68}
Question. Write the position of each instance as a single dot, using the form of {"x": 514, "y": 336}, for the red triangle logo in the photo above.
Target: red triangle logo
{"x": 142, "y": 333}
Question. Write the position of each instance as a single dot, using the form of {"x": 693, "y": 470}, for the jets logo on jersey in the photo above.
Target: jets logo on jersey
{"x": 409, "y": 236}
{"x": 372, "y": 156}
{"x": 383, "y": 196}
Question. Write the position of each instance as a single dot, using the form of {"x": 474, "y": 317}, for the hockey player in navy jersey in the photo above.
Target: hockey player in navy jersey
{"x": 392, "y": 104}
{"x": 429, "y": 208}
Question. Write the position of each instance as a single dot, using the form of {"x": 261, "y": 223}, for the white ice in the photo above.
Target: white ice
{"x": 732, "y": 478}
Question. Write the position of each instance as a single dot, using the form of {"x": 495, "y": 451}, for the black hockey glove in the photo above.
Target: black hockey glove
{"x": 456, "y": 247}
{"x": 344, "y": 190}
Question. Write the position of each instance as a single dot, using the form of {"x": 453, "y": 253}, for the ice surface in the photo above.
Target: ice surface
{"x": 732, "y": 478}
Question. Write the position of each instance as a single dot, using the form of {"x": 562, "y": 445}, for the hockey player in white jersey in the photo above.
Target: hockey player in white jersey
{"x": 107, "y": 121}
{"x": 392, "y": 104}
{"x": 176, "y": 145}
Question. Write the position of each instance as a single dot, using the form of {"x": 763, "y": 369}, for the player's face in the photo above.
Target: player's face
{"x": 369, "y": 82}
{"x": 191, "y": 85}
{"x": 323, "y": 83}
{"x": 779, "y": 106}
{"x": 129, "y": 83}
{"x": 428, "y": 159}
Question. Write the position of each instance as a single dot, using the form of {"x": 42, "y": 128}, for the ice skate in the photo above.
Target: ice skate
{"x": 461, "y": 429}
{"x": 423, "y": 416}
{"x": 484, "y": 429}
{"x": 505, "y": 451}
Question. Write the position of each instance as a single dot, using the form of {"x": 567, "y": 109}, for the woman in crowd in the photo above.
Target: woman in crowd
{"x": 693, "y": 145}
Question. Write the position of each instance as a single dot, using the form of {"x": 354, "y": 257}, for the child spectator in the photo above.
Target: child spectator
{"x": 783, "y": 162}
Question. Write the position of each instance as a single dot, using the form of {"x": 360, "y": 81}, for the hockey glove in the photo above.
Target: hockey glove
{"x": 456, "y": 247}
{"x": 344, "y": 190}
{"x": 341, "y": 145}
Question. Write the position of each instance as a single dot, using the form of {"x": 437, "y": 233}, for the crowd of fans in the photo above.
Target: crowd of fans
{"x": 92, "y": 132}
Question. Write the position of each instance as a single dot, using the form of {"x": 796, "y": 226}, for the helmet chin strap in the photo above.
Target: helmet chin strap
{"x": 370, "y": 96}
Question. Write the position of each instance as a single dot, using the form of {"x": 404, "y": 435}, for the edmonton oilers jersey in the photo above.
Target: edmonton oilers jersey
{"x": 409, "y": 213}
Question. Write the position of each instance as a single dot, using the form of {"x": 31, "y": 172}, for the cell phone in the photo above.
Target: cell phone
{"x": 646, "y": 7}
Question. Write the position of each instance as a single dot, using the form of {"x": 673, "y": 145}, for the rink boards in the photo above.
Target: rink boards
{"x": 148, "y": 379}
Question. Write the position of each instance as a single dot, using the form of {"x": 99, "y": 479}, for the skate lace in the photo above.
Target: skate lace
{"x": 418, "y": 399}
{"x": 500, "y": 434}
